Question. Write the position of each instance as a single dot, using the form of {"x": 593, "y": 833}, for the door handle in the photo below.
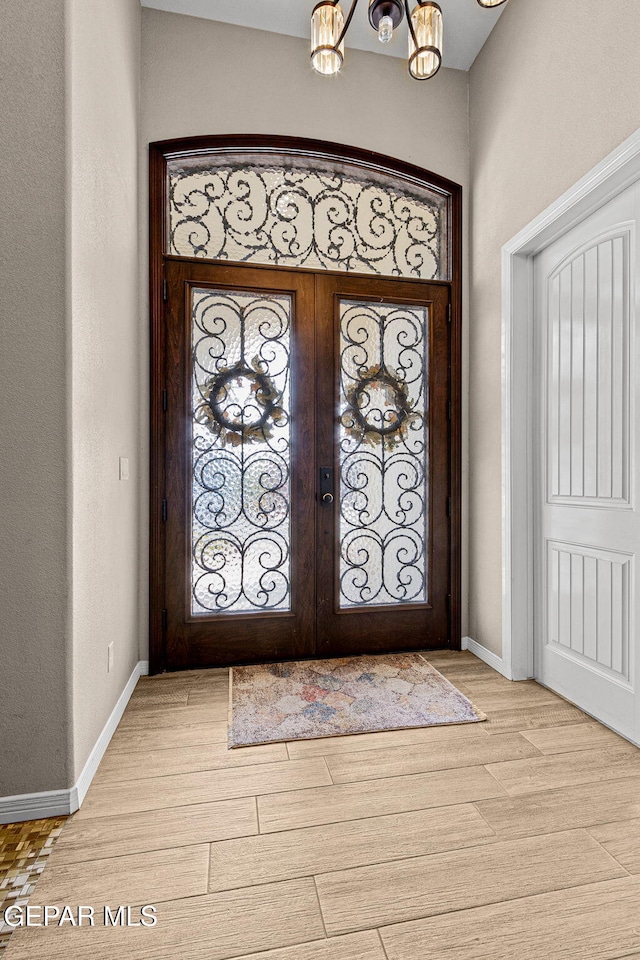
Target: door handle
{"x": 326, "y": 485}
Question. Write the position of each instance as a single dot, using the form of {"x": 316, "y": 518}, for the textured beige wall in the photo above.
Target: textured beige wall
{"x": 69, "y": 76}
{"x": 103, "y": 74}
{"x": 35, "y": 733}
{"x": 202, "y": 77}
{"x": 553, "y": 91}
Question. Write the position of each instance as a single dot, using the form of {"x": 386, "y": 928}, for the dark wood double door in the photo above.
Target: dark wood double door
{"x": 306, "y": 460}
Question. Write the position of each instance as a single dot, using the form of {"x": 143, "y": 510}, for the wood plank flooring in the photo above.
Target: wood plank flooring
{"x": 517, "y": 837}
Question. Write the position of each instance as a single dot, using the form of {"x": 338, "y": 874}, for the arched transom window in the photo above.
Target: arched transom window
{"x": 282, "y": 209}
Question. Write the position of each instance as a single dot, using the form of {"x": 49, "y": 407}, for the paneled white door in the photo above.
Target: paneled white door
{"x": 587, "y": 501}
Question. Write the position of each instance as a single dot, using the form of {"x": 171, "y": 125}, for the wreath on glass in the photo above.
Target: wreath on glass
{"x": 386, "y": 421}
{"x": 241, "y": 404}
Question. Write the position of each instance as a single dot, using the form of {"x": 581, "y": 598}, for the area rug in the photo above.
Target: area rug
{"x": 332, "y": 698}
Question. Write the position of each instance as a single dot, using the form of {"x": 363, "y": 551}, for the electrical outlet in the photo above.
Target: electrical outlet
{"x": 110, "y": 657}
{"x": 124, "y": 468}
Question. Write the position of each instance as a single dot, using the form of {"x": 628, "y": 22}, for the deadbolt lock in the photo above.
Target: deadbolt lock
{"x": 326, "y": 485}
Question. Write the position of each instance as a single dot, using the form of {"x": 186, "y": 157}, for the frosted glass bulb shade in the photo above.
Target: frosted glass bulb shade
{"x": 385, "y": 30}
{"x": 425, "y": 53}
{"x": 491, "y": 3}
{"x": 327, "y": 22}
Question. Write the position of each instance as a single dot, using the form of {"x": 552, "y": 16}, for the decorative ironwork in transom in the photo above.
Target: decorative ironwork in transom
{"x": 297, "y": 211}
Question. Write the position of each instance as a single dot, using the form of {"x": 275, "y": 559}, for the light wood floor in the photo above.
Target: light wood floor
{"x": 514, "y": 839}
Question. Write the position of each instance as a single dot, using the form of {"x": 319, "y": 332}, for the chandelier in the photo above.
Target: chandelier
{"x": 329, "y": 26}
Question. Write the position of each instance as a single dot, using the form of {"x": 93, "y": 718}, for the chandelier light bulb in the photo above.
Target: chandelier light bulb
{"x": 491, "y": 3}
{"x": 327, "y": 22}
{"x": 385, "y": 29}
{"x": 425, "y": 40}
{"x": 385, "y": 16}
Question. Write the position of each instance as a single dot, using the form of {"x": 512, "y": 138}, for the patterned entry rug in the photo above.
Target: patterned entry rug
{"x": 333, "y": 698}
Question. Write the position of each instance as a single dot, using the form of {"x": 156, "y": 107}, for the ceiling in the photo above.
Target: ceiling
{"x": 466, "y": 25}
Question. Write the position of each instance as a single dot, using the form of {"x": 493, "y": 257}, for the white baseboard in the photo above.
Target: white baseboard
{"x": 56, "y": 803}
{"x": 79, "y": 791}
{"x": 35, "y": 806}
{"x": 487, "y": 656}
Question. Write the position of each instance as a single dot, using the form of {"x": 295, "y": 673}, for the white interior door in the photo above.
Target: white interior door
{"x": 587, "y": 519}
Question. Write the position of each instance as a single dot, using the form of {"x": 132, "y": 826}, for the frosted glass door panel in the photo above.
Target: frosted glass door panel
{"x": 383, "y": 450}
{"x": 241, "y": 484}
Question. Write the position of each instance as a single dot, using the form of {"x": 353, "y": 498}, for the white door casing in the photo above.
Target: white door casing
{"x": 586, "y": 519}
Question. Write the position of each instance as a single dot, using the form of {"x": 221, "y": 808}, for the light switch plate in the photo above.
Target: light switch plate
{"x": 110, "y": 657}
{"x": 124, "y": 468}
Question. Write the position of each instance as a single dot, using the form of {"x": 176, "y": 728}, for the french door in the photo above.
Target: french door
{"x": 306, "y": 459}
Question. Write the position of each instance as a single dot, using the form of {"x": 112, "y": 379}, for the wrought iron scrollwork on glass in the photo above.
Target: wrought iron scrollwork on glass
{"x": 316, "y": 215}
{"x": 383, "y": 452}
{"x": 240, "y": 452}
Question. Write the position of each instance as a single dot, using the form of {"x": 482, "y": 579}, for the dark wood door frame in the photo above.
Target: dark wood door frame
{"x": 159, "y": 154}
